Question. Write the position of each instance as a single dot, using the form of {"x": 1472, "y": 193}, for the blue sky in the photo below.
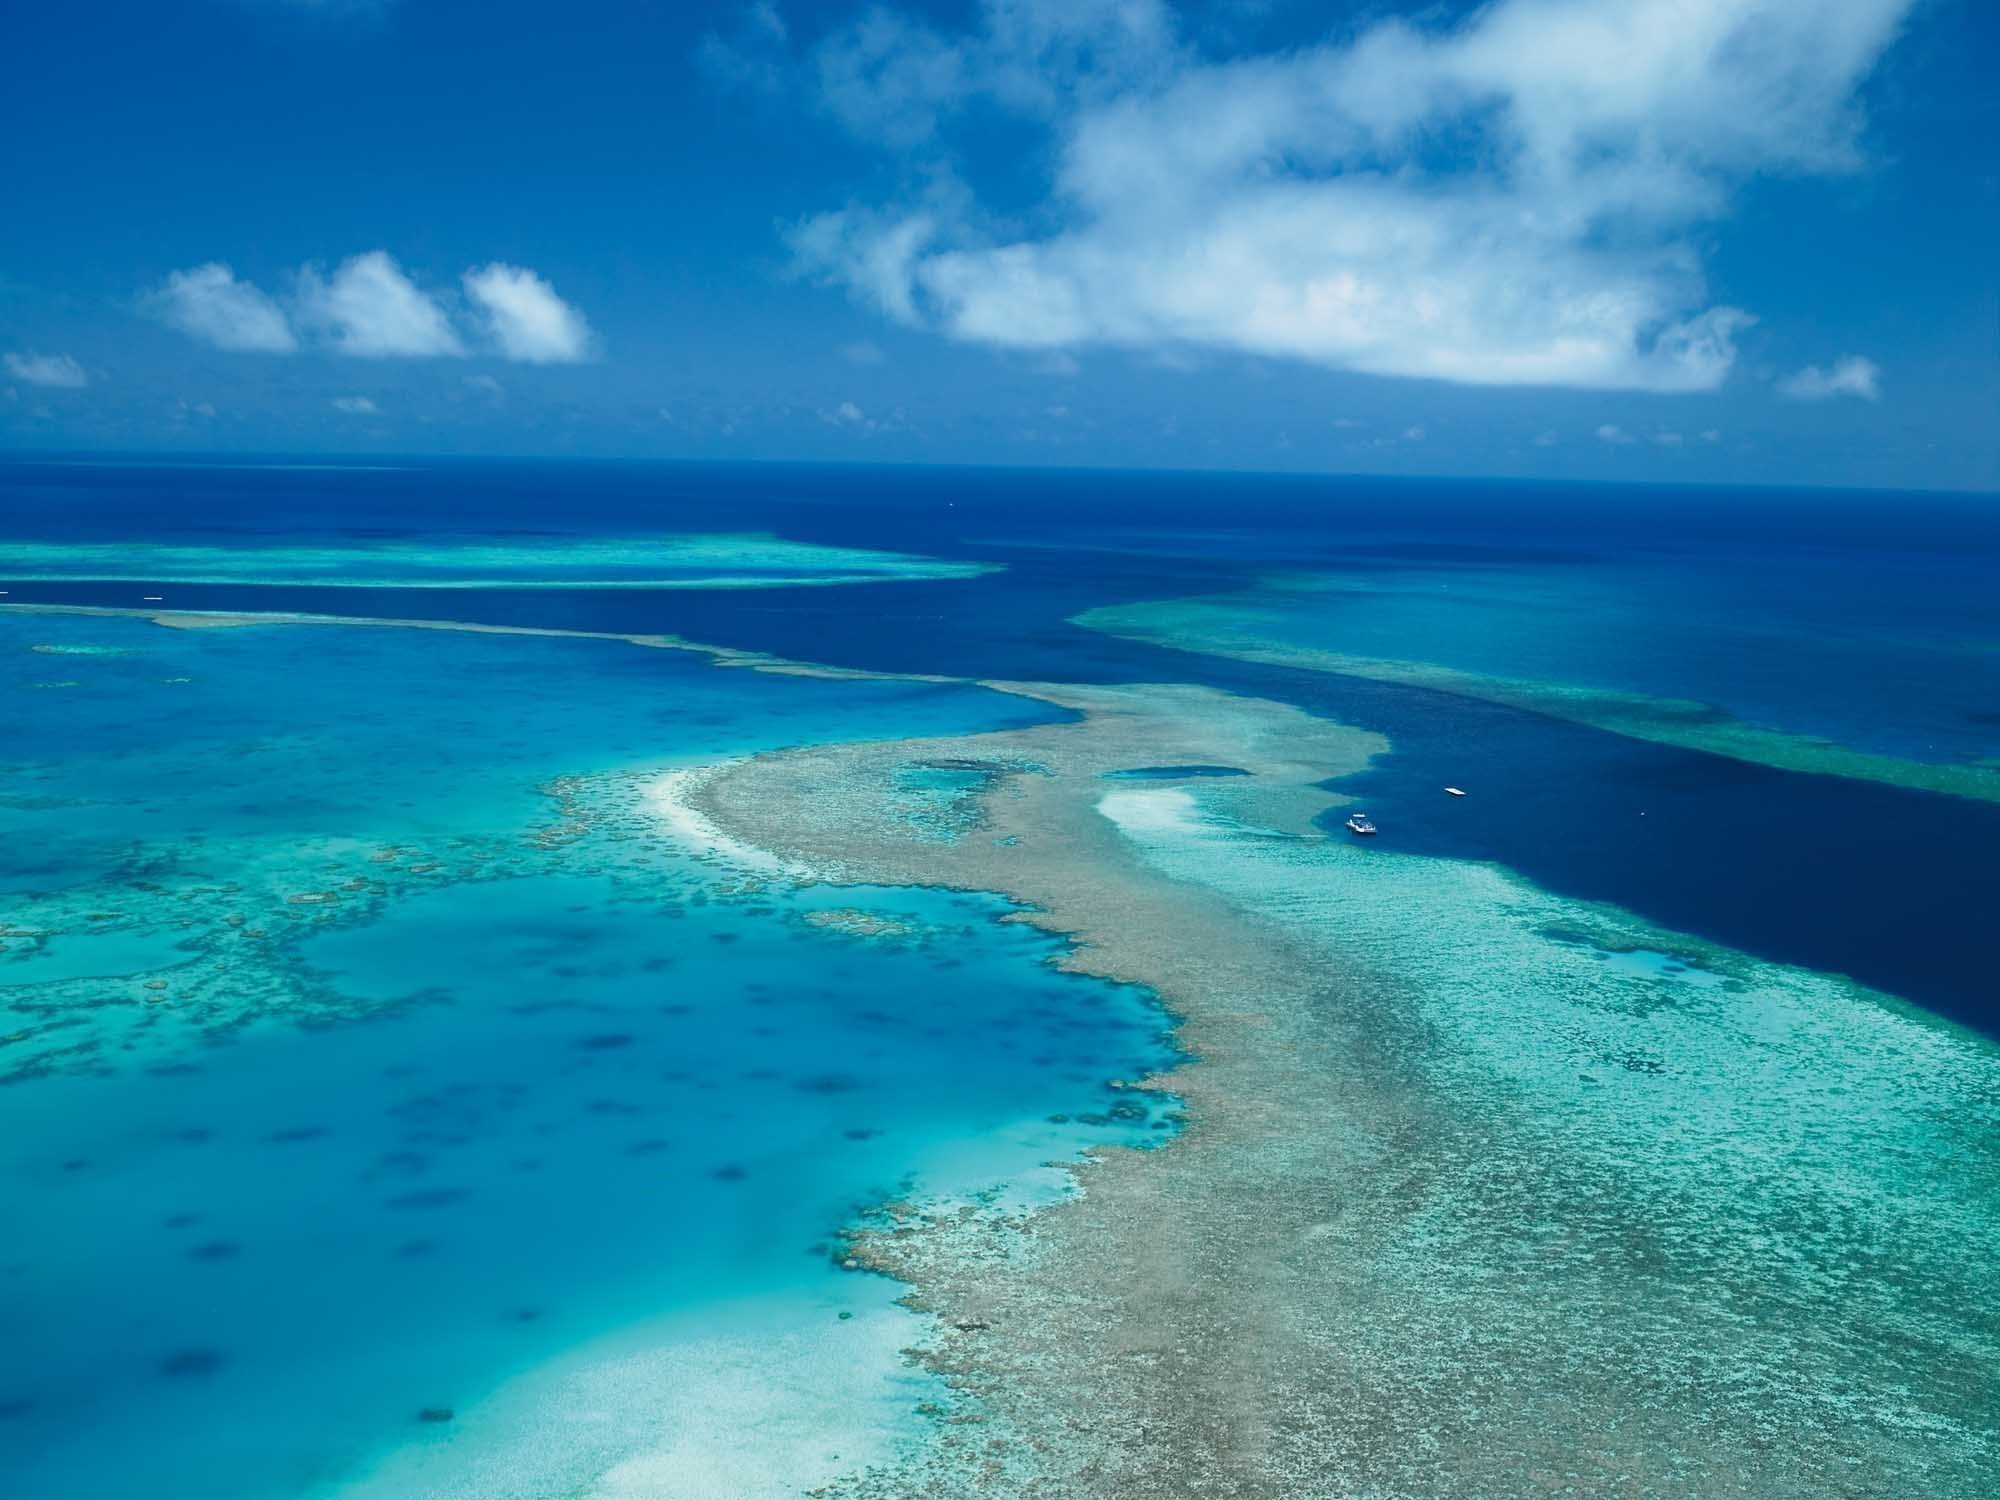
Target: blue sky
{"x": 1675, "y": 240}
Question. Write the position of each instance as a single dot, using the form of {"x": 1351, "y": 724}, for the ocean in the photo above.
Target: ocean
{"x": 405, "y": 1095}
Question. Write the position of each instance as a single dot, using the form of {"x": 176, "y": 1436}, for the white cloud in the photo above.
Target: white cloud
{"x": 1668, "y": 439}
{"x": 1611, "y": 433}
{"x": 356, "y": 406}
{"x": 1413, "y": 434}
{"x": 487, "y": 385}
{"x": 1853, "y": 375}
{"x": 526, "y": 317}
{"x": 896, "y": 81}
{"x": 1302, "y": 205}
{"x": 371, "y": 309}
{"x": 1712, "y": 435}
{"x": 210, "y": 304}
{"x": 47, "y": 369}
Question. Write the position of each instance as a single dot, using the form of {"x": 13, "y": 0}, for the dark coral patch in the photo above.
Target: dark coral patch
{"x": 827, "y": 1083}
{"x": 192, "y": 1364}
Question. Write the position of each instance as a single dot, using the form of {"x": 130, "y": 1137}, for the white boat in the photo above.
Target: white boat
{"x": 1358, "y": 823}
{"x": 1454, "y": 791}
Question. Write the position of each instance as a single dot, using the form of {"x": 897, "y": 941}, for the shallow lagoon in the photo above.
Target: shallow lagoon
{"x": 374, "y": 1056}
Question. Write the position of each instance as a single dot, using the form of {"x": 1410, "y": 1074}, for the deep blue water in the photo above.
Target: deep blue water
{"x": 1890, "y": 886}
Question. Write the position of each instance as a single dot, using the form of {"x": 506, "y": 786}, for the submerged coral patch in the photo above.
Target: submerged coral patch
{"x": 667, "y": 561}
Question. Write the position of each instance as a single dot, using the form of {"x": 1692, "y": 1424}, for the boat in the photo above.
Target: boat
{"x": 1454, "y": 791}
{"x": 1358, "y": 823}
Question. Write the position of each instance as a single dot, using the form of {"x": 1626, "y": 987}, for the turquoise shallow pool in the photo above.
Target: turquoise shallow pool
{"x": 380, "y": 1074}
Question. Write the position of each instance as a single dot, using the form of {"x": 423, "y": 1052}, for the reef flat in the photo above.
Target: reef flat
{"x": 1235, "y": 626}
{"x": 243, "y": 619}
{"x": 697, "y": 561}
{"x": 1481, "y": 1192}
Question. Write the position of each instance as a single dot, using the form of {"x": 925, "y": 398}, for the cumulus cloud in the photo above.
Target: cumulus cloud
{"x": 58, "y": 370}
{"x": 526, "y": 318}
{"x": 1851, "y": 376}
{"x": 1610, "y": 432}
{"x": 356, "y": 406}
{"x": 368, "y": 307}
{"x": 210, "y": 304}
{"x": 1513, "y": 198}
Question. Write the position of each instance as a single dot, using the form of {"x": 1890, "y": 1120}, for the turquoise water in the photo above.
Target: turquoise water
{"x": 533, "y": 561}
{"x": 382, "y": 1073}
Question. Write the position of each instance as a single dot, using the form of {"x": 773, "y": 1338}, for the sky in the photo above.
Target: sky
{"x": 1709, "y": 241}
